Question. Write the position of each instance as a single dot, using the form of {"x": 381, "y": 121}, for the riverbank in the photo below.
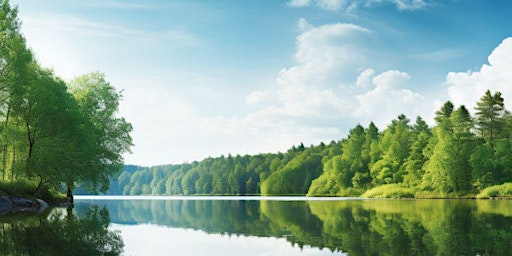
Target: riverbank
{"x": 23, "y": 196}
{"x": 16, "y": 205}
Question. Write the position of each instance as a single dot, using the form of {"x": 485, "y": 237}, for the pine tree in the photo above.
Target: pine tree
{"x": 490, "y": 112}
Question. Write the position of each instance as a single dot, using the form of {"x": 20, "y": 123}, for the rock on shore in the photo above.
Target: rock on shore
{"x": 14, "y": 204}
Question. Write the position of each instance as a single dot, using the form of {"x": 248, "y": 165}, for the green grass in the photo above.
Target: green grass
{"x": 27, "y": 188}
{"x": 497, "y": 191}
{"x": 389, "y": 191}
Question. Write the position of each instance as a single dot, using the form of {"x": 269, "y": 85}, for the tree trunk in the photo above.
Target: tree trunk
{"x": 69, "y": 193}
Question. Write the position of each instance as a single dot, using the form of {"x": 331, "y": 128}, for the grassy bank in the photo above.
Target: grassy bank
{"x": 503, "y": 191}
{"x": 402, "y": 191}
{"x": 29, "y": 189}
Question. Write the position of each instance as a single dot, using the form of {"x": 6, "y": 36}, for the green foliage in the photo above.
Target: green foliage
{"x": 106, "y": 136}
{"x": 325, "y": 185}
{"x": 29, "y": 188}
{"x": 497, "y": 191}
{"x": 395, "y": 147}
{"x": 21, "y": 187}
{"x": 490, "y": 111}
{"x": 51, "y": 133}
{"x": 295, "y": 177}
{"x": 389, "y": 191}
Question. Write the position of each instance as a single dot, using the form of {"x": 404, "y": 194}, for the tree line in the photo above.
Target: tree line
{"x": 459, "y": 156}
{"x": 54, "y": 132}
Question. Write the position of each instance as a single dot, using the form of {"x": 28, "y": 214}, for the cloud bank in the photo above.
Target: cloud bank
{"x": 466, "y": 88}
{"x": 331, "y": 88}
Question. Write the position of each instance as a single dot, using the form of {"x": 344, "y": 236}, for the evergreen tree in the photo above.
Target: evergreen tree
{"x": 414, "y": 163}
{"x": 490, "y": 113}
{"x": 444, "y": 113}
{"x": 395, "y": 146}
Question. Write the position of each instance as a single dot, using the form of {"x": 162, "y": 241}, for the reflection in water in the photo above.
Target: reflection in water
{"x": 60, "y": 233}
{"x": 148, "y": 239}
{"x": 358, "y": 227}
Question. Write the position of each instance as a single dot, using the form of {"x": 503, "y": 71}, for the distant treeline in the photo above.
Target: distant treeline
{"x": 228, "y": 175}
{"x": 459, "y": 156}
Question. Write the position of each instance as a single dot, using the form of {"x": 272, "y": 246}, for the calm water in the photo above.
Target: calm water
{"x": 257, "y": 226}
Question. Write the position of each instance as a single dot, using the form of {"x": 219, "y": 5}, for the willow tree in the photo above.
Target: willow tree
{"x": 106, "y": 136}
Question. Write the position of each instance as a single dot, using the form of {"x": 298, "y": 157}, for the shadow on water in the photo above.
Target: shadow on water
{"x": 60, "y": 232}
{"x": 359, "y": 227}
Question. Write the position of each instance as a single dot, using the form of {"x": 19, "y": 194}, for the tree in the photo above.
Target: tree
{"x": 15, "y": 63}
{"x": 52, "y": 127}
{"x": 490, "y": 112}
{"x": 463, "y": 143}
{"x": 445, "y": 112}
{"x": 395, "y": 146}
{"x": 107, "y": 136}
{"x": 414, "y": 163}
{"x": 362, "y": 178}
{"x": 449, "y": 168}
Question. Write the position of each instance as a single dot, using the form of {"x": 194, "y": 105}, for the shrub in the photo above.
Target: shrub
{"x": 20, "y": 187}
{"x": 503, "y": 190}
{"x": 390, "y": 191}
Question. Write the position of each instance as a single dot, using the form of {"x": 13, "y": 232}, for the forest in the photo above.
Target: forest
{"x": 54, "y": 132}
{"x": 460, "y": 156}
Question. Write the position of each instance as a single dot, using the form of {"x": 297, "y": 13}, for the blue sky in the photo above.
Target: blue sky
{"x": 205, "y": 78}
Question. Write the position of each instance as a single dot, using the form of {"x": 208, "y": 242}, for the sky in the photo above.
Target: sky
{"x": 209, "y": 78}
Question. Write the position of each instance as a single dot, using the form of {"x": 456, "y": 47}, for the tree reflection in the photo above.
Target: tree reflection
{"x": 359, "y": 227}
{"x": 60, "y": 233}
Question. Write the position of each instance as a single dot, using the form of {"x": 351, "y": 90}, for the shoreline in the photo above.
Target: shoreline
{"x": 268, "y": 198}
{"x": 20, "y": 205}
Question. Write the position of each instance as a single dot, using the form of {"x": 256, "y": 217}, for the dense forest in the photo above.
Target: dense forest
{"x": 54, "y": 132}
{"x": 460, "y": 155}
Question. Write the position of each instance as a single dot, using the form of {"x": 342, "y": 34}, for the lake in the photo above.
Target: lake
{"x": 264, "y": 226}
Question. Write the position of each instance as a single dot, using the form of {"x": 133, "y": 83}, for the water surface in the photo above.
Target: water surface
{"x": 305, "y": 226}
{"x": 262, "y": 226}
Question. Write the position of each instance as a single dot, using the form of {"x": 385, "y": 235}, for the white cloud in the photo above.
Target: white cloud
{"x": 327, "y": 54}
{"x": 331, "y": 5}
{"x": 327, "y": 59}
{"x": 466, "y": 88}
{"x": 304, "y": 25}
{"x": 256, "y": 97}
{"x": 351, "y": 5}
{"x": 409, "y": 4}
{"x": 364, "y": 80}
{"x": 326, "y": 93}
{"x": 390, "y": 79}
{"x": 299, "y": 3}
{"x": 389, "y": 99}
{"x": 119, "y": 5}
